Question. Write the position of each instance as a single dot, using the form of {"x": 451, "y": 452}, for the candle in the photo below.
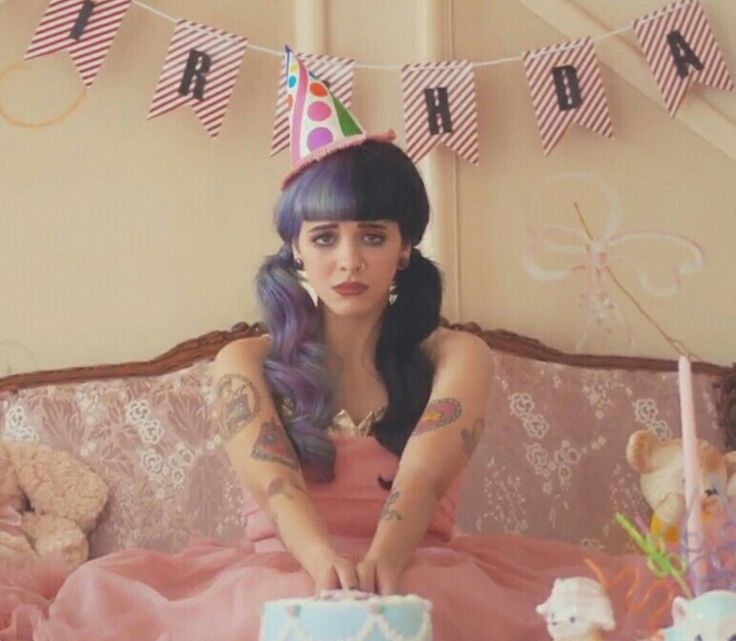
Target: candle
{"x": 693, "y": 489}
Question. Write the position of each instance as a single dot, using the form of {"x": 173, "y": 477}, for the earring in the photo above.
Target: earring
{"x": 307, "y": 287}
{"x": 392, "y": 293}
{"x": 304, "y": 281}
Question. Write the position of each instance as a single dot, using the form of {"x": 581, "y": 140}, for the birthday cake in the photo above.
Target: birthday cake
{"x": 347, "y": 615}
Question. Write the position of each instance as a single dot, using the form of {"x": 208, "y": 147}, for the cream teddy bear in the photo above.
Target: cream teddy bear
{"x": 662, "y": 477}
{"x": 49, "y": 501}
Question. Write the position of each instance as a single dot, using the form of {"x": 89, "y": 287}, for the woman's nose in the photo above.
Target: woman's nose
{"x": 349, "y": 256}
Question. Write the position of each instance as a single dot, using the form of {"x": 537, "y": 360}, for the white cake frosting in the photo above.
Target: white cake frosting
{"x": 347, "y": 615}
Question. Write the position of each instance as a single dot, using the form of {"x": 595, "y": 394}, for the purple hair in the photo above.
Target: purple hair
{"x": 373, "y": 181}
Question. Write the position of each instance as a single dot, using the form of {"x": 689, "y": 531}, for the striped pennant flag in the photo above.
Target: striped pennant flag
{"x": 566, "y": 86}
{"x": 440, "y": 105}
{"x": 200, "y": 69}
{"x": 336, "y": 73}
{"x": 680, "y": 48}
{"x": 85, "y": 28}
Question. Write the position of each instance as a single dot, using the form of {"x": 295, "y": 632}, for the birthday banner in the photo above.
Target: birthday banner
{"x": 439, "y": 98}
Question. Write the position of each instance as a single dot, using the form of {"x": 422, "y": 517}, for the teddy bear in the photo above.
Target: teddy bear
{"x": 49, "y": 501}
{"x": 660, "y": 464}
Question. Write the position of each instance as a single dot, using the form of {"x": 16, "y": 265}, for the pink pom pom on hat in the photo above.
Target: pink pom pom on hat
{"x": 319, "y": 123}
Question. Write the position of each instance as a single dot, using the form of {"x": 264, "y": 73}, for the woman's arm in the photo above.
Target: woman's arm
{"x": 437, "y": 451}
{"x": 265, "y": 461}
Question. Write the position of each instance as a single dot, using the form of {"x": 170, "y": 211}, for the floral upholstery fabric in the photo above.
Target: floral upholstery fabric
{"x": 551, "y": 462}
{"x": 152, "y": 440}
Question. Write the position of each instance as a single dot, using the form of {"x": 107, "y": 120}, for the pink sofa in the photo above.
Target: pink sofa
{"x": 551, "y": 463}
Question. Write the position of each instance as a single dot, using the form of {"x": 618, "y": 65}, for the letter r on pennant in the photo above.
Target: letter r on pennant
{"x": 198, "y": 64}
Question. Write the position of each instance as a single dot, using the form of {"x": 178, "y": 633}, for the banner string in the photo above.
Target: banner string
{"x": 486, "y": 63}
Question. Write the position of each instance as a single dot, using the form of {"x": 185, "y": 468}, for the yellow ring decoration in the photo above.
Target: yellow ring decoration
{"x": 43, "y": 123}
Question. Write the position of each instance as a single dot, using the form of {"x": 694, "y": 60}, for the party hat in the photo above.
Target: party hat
{"x": 319, "y": 123}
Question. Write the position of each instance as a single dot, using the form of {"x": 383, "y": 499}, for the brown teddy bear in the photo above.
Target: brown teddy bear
{"x": 662, "y": 478}
{"x": 49, "y": 501}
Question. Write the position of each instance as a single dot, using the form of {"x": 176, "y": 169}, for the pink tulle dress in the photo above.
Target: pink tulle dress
{"x": 483, "y": 587}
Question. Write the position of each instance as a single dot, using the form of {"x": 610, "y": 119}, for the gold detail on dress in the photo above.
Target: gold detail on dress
{"x": 343, "y": 424}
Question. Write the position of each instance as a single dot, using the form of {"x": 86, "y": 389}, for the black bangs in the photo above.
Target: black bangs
{"x": 389, "y": 187}
{"x": 372, "y": 181}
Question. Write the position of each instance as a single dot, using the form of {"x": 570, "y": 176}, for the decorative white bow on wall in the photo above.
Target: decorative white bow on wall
{"x": 595, "y": 255}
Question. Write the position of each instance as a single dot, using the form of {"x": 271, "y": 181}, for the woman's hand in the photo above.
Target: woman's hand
{"x": 330, "y": 571}
{"x": 379, "y": 575}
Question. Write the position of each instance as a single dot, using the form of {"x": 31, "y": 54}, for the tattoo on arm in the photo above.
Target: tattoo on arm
{"x": 236, "y": 403}
{"x": 274, "y": 445}
{"x": 388, "y": 513}
{"x": 471, "y": 437}
{"x": 437, "y": 414}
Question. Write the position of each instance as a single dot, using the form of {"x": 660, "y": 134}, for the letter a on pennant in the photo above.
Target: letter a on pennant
{"x": 681, "y": 49}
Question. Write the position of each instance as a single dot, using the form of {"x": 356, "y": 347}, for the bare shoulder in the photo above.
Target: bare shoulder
{"x": 248, "y": 351}
{"x": 445, "y": 344}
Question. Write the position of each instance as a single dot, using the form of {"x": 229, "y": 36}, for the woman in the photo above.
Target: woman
{"x": 350, "y": 224}
{"x": 349, "y": 425}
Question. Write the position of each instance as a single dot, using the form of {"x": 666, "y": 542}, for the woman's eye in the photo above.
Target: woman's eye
{"x": 326, "y": 239}
{"x": 317, "y": 240}
{"x": 375, "y": 239}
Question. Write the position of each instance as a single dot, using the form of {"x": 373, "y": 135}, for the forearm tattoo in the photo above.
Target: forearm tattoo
{"x": 437, "y": 414}
{"x": 471, "y": 437}
{"x": 388, "y": 513}
{"x": 274, "y": 445}
{"x": 236, "y": 403}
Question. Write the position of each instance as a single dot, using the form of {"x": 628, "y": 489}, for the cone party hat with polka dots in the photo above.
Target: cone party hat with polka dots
{"x": 319, "y": 123}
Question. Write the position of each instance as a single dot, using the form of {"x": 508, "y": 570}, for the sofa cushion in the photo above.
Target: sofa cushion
{"x": 552, "y": 461}
{"x": 152, "y": 440}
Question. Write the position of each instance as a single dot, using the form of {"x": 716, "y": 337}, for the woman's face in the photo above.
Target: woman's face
{"x": 359, "y": 252}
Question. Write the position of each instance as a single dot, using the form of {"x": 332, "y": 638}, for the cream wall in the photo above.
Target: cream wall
{"x": 123, "y": 236}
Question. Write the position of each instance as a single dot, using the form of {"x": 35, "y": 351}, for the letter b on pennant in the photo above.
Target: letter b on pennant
{"x": 198, "y": 64}
{"x": 438, "y": 108}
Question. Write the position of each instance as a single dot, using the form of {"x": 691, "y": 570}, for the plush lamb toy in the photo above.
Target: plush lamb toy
{"x": 578, "y": 609}
{"x": 49, "y": 501}
{"x": 662, "y": 478}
